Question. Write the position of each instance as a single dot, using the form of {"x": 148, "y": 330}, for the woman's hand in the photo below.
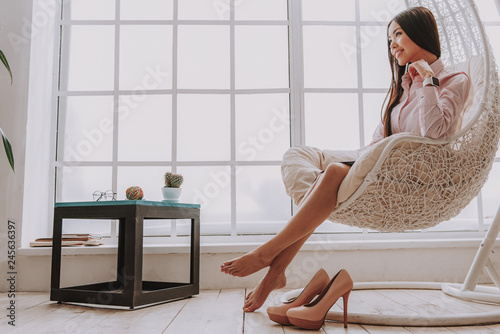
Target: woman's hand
{"x": 422, "y": 68}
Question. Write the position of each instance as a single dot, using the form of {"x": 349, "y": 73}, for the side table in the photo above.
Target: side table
{"x": 129, "y": 289}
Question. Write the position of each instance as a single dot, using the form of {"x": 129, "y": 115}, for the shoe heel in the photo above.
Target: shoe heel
{"x": 313, "y": 288}
{"x": 345, "y": 297}
{"x": 312, "y": 315}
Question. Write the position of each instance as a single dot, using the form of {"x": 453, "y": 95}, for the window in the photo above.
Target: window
{"x": 188, "y": 86}
{"x": 217, "y": 91}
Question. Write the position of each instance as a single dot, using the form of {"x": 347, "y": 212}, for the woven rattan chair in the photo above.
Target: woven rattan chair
{"x": 419, "y": 182}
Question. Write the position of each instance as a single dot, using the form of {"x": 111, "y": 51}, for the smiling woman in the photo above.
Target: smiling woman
{"x": 6, "y": 143}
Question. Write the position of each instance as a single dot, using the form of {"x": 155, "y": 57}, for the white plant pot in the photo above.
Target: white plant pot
{"x": 171, "y": 194}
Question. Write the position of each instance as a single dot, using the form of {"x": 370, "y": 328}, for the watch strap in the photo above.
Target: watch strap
{"x": 433, "y": 81}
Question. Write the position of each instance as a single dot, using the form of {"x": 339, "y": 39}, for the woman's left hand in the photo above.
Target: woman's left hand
{"x": 422, "y": 68}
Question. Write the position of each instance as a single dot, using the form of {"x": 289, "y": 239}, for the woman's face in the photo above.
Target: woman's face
{"x": 402, "y": 47}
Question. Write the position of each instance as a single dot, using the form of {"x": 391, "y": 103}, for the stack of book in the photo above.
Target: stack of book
{"x": 70, "y": 240}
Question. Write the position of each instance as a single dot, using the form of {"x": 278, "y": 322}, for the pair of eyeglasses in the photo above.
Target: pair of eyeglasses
{"x": 107, "y": 195}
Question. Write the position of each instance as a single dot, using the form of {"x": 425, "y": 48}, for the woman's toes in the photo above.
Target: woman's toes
{"x": 250, "y": 309}
{"x": 226, "y": 264}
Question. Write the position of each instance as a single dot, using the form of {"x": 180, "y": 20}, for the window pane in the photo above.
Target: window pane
{"x": 261, "y": 56}
{"x": 79, "y": 183}
{"x": 210, "y": 187}
{"x": 86, "y": 9}
{"x": 253, "y": 10}
{"x": 380, "y": 10}
{"x": 203, "y": 57}
{"x": 262, "y": 126}
{"x": 260, "y": 195}
{"x": 88, "y": 58}
{"x": 145, "y": 128}
{"x": 146, "y": 9}
{"x": 372, "y": 105}
{"x": 150, "y": 179}
{"x": 203, "y": 127}
{"x": 145, "y": 57}
{"x": 464, "y": 221}
{"x": 329, "y": 57}
{"x": 334, "y": 227}
{"x": 86, "y": 128}
{"x": 328, "y": 10}
{"x": 332, "y": 121}
{"x": 203, "y": 10}
{"x": 488, "y": 10}
{"x": 490, "y": 194}
{"x": 376, "y": 69}
{"x": 87, "y": 226}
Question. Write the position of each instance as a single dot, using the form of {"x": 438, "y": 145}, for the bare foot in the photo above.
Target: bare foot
{"x": 256, "y": 298}
{"x": 247, "y": 264}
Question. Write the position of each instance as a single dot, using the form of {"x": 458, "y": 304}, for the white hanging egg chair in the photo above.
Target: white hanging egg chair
{"x": 407, "y": 182}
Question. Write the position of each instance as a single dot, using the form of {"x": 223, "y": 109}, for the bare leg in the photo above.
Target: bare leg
{"x": 275, "y": 277}
{"x": 314, "y": 211}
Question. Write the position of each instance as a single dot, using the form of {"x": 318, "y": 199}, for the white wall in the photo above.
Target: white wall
{"x": 15, "y": 16}
{"x": 429, "y": 264}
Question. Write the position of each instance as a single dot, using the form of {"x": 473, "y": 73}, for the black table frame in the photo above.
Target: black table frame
{"x": 129, "y": 289}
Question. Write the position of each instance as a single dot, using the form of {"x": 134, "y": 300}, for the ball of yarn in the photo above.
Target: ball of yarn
{"x": 134, "y": 193}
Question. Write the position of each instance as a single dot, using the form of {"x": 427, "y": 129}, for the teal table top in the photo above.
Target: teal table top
{"x": 128, "y": 202}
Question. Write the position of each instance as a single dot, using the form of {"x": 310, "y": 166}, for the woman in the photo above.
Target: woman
{"x": 424, "y": 99}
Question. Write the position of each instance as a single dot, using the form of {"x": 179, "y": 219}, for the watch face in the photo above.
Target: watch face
{"x": 435, "y": 81}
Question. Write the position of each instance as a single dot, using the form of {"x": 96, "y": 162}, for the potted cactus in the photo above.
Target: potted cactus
{"x": 172, "y": 189}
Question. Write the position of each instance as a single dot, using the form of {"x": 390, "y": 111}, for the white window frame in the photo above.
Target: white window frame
{"x": 297, "y": 130}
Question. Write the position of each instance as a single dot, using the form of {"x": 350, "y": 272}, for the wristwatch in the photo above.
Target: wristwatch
{"x": 433, "y": 81}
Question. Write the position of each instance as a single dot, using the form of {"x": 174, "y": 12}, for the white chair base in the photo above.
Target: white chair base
{"x": 417, "y": 320}
{"x": 469, "y": 290}
{"x": 485, "y": 294}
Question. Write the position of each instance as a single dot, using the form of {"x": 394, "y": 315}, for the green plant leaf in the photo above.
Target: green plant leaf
{"x": 4, "y": 61}
{"x": 8, "y": 149}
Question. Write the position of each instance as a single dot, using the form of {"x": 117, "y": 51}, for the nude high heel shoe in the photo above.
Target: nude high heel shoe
{"x": 312, "y": 315}
{"x": 314, "y": 287}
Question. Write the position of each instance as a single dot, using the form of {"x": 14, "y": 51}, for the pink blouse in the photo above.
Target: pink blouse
{"x": 433, "y": 112}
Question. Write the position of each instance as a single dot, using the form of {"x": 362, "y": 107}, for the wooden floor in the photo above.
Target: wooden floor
{"x": 220, "y": 311}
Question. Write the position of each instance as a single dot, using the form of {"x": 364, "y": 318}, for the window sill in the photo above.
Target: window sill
{"x": 231, "y": 245}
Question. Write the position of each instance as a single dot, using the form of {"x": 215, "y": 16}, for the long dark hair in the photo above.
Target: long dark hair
{"x": 420, "y": 26}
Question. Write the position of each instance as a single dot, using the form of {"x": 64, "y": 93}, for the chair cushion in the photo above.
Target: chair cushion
{"x": 474, "y": 68}
{"x": 424, "y": 172}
